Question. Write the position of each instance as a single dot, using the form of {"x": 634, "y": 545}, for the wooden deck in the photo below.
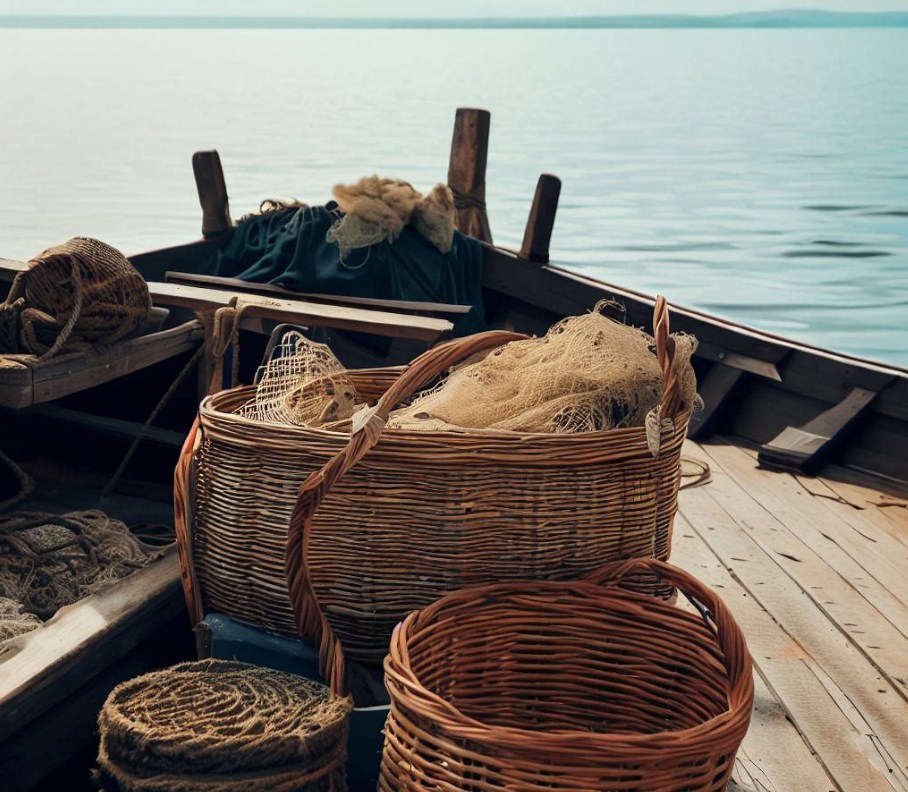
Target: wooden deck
{"x": 816, "y": 573}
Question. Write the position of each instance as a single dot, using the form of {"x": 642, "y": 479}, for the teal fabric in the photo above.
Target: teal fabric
{"x": 288, "y": 248}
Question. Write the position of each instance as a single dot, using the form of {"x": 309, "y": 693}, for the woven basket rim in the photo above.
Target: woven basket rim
{"x": 459, "y": 724}
{"x": 209, "y": 410}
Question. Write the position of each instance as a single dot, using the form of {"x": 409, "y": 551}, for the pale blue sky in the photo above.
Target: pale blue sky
{"x": 435, "y": 8}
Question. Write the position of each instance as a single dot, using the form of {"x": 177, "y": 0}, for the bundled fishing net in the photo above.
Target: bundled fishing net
{"x": 15, "y": 620}
{"x": 303, "y": 384}
{"x": 222, "y": 725}
{"x": 376, "y": 210}
{"x": 588, "y": 373}
{"x": 48, "y": 561}
{"x": 73, "y": 296}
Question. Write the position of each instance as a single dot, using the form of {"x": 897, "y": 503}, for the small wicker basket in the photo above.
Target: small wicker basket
{"x": 572, "y": 686}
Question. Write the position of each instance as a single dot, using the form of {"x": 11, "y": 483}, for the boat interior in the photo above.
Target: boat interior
{"x": 794, "y": 499}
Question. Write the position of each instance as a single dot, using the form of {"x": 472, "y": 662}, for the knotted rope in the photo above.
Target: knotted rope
{"x": 73, "y": 297}
{"x": 49, "y": 560}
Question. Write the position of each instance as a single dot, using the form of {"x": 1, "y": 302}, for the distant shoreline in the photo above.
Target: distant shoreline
{"x": 758, "y": 20}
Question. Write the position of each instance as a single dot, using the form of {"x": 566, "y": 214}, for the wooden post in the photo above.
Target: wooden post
{"x": 209, "y": 180}
{"x": 538, "y": 232}
{"x": 467, "y": 171}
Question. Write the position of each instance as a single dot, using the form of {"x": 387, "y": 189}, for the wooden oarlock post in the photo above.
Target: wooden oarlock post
{"x": 209, "y": 181}
{"x": 538, "y": 233}
{"x": 467, "y": 171}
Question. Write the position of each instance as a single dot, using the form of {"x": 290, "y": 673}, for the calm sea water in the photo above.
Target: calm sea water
{"x": 758, "y": 174}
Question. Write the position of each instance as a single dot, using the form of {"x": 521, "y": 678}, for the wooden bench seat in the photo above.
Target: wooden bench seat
{"x": 22, "y": 385}
{"x": 268, "y": 289}
{"x": 340, "y": 317}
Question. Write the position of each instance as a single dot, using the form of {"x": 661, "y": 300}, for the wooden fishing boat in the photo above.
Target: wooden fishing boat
{"x": 802, "y": 526}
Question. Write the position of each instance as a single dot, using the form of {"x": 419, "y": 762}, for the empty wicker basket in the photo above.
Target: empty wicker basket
{"x": 220, "y": 726}
{"x": 570, "y": 686}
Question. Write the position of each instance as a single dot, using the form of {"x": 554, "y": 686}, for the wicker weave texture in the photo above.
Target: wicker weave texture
{"x": 390, "y": 520}
{"x": 237, "y": 497}
{"x": 570, "y": 686}
{"x": 222, "y": 725}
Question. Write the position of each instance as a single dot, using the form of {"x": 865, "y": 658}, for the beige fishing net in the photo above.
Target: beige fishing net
{"x": 48, "y": 560}
{"x": 303, "y": 384}
{"x": 72, "y": 297}
{"x": 588, "y": 373}
{"x": 15, "y": 620}
{"x": 376, "y": 210}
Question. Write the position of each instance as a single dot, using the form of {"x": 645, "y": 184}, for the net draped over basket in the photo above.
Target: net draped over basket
{"x": 579, "y": 685}
{"x": 391, "y": 519}
{"x": 72, "y": 297}
{"x": 222, "y": 725}
{"x": 587, "y": 373}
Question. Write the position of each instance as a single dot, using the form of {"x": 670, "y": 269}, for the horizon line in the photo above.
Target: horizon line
{"x": 788, "y": 18}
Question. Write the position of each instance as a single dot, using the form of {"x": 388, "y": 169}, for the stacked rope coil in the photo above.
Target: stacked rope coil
{"x": 73, "y": 297}
{"x": 574, "y": 686}
{"x": 219, "y": 726}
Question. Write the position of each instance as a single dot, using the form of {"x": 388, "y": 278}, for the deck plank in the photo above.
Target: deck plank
{"x": 888, "y": 514}
{"x": 861, "y": 609}
{"x": 774, "y": 755}
{"x": 862, "y": 507}
{"x": 878, "y": 574}
{"x": 863, "y": 512}
{"x": 808, "y": 661}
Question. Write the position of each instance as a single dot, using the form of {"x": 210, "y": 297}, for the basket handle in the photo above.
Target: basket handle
{"x": 182, "y": 524}
{"x": 368, "y": 424}
{"x": 367, "y": 429}
{"x": 710, "y": 605}
{"x": 665, "y": 354}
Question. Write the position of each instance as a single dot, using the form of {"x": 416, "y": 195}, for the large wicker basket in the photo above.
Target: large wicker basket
{"x": 392, "y": 519}
{"x": 577, "y": 685}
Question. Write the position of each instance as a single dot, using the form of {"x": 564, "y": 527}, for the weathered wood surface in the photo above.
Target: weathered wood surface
{"x": 819, "y": 588}
{"x": 22, "y": 385}
{"x": 806, "y": 449}
{"x": 467, "y": 171}
{"x": 716, "y": 389}
{"x": 38, "y": 668}
{"x": 538, "y": 232}
{"x": 385, "y": 323}
{"x": 10, "y": 268}
{"x": 267, "y": 289}
{"x": 212, "y": 189}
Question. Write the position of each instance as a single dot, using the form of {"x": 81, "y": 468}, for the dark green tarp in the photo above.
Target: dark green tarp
{"x": 287, "y": 248}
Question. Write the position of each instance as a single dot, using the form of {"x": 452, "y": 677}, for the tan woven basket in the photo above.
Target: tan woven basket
{"x": 567, "y": 685}
{"x": 234, "y": 490}
{"x": 393, "y": 519}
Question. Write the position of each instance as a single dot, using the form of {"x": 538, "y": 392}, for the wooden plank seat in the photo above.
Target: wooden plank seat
{"x": 381, "y": 317}
{"x": 267, "y": 289}
{"x": 24, "y": 384}
{"x": 341, "y": 317}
